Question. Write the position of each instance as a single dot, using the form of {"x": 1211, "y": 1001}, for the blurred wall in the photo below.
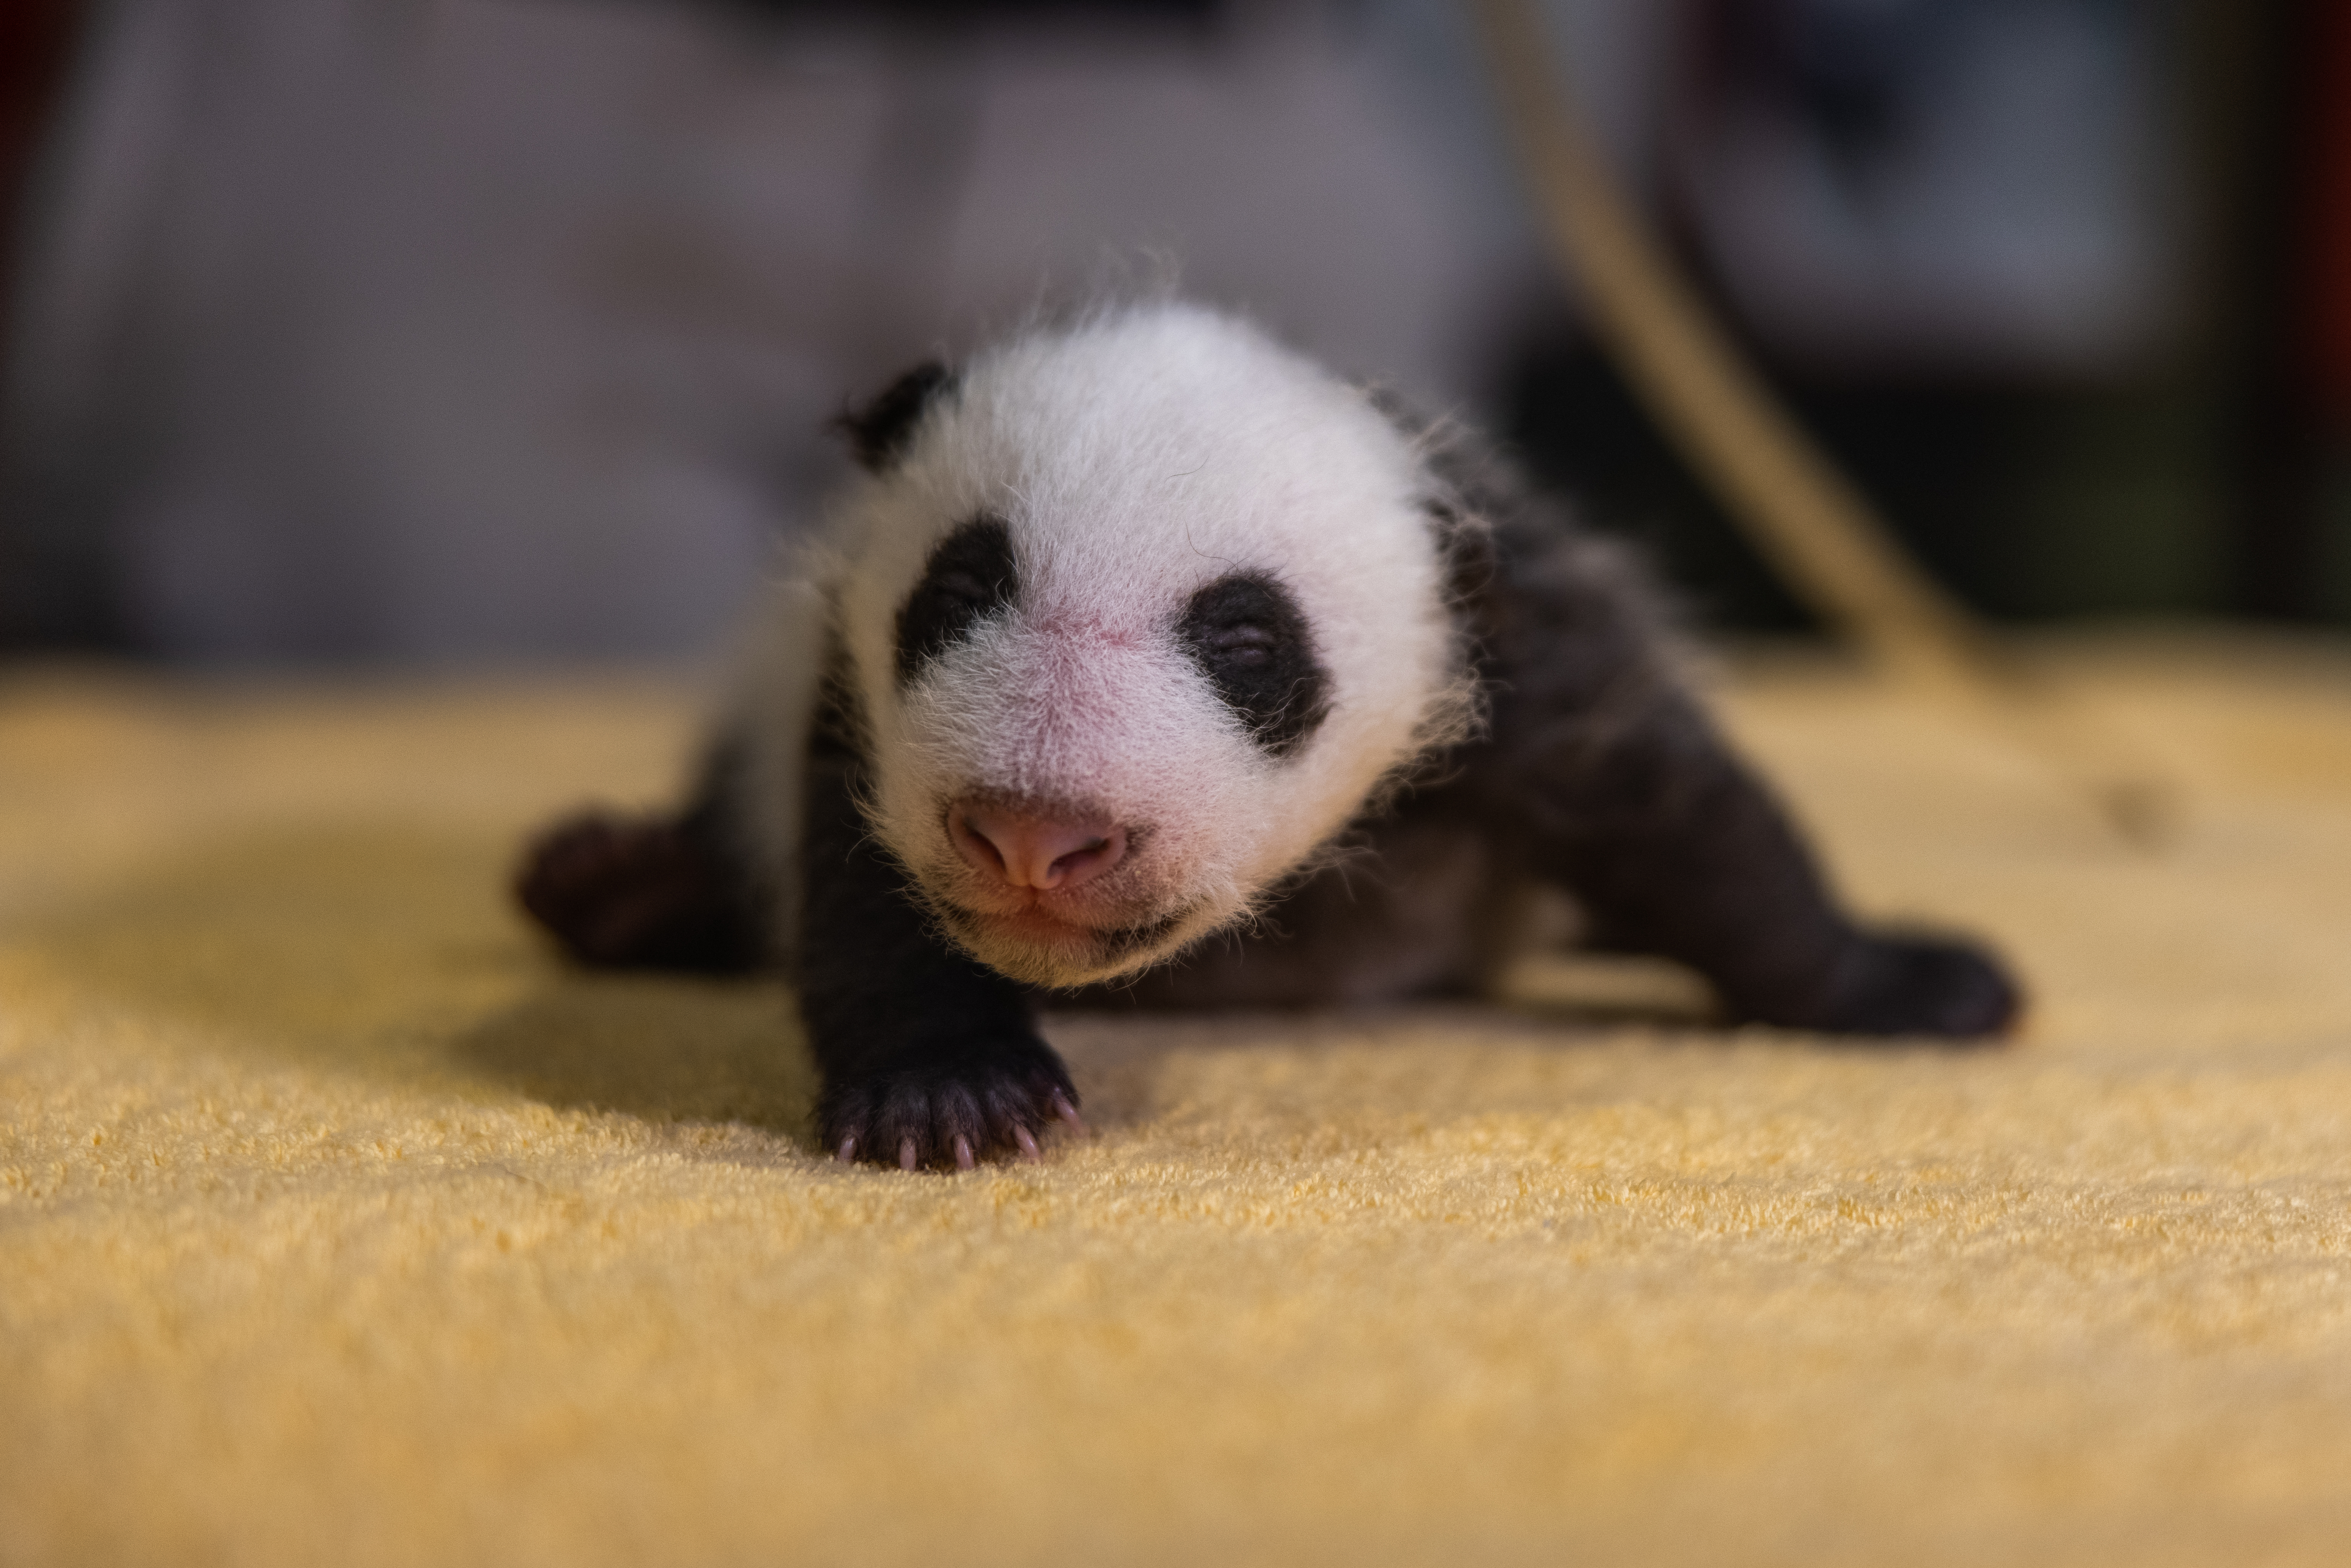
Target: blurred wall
{"x": 441, "y": 330}
{"x": 389, "y": 328}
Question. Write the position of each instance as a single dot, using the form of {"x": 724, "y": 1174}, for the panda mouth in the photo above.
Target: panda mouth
{"x": 1029, "y": 925}
{"x": 1059, "y": 936}
{"x": 1103, "y": 944}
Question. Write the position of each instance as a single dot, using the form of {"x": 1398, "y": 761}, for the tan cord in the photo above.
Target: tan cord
{"x": 1793, "y": 503}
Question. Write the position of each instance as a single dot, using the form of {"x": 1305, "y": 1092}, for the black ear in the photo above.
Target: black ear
{"x": 878, "y": 432}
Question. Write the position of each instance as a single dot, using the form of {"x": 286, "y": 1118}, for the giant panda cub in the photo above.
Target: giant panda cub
{"x": 1153, "y": 664}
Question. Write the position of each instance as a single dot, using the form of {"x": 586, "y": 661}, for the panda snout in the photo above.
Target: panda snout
{"x": 1034, "y": 849}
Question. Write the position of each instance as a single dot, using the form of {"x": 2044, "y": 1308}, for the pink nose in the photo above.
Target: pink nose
{"x": 1028, "y": 850}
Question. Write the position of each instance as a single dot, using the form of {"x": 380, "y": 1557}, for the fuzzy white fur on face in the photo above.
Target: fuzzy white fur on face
{"x": 1137, "y": 458}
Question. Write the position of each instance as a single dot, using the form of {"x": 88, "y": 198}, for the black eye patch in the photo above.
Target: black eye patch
{"x": 971, "y": 574}
{"x": 1251, "y": 640}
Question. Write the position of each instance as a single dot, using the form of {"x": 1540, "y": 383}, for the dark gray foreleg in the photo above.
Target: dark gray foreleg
{"x": 928, "y": 1057}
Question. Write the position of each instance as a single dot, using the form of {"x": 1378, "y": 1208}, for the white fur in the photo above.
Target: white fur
{"x": 1137, "y": 457}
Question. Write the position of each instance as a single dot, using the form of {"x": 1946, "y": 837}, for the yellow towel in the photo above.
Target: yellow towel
{"x": 338, "y": 1224}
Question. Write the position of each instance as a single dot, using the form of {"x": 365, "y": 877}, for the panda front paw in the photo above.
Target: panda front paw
{"x": 949, "y": 1105}
{"x": 1920, "y": 986}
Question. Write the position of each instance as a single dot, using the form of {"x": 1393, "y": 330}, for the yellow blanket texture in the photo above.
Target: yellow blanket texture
{"x": 341, "y": 1224}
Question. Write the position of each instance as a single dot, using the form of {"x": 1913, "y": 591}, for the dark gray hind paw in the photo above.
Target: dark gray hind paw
{"x": 1919, "y": 986}
{"x": 635, "y": 892}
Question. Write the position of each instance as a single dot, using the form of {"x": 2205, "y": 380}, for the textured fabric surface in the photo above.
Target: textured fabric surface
{"x": 338, "y": 1224}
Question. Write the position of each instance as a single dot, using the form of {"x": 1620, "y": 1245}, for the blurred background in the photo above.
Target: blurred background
{"x": 433, "y": 332}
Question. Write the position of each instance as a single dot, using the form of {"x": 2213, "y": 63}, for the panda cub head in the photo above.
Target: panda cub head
{"x": 1135, "y": 615}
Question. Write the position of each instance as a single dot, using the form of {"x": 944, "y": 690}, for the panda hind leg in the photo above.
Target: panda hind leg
{"x": 650, "y": 892}
{"x": 1673, "y": 847}
{"x": 1895, "y": 983}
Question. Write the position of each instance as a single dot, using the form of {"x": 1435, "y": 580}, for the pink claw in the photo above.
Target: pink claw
{"x": 1028, "y": 1142}
{"x": 848, "y": 1150}
{"x": 963, "y": 1161}
{"x": 1068, "y": 1112}
{"x": 905, "y": 1153}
